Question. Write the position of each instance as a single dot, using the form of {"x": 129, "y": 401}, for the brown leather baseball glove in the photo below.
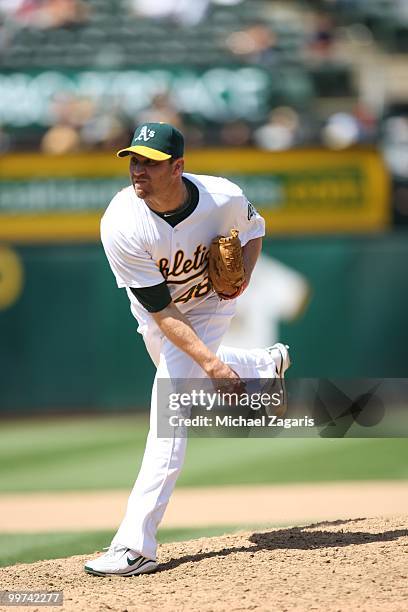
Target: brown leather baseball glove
{"x": 226, "y": 266}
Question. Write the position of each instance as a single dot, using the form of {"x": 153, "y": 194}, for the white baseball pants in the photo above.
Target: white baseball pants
{"x": 163, "y": 457}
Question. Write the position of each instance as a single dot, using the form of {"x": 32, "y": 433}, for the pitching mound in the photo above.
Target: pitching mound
{"x": 343, "y": 565}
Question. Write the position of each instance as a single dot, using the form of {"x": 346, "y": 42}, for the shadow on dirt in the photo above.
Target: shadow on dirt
{"x": 298, "y": 538}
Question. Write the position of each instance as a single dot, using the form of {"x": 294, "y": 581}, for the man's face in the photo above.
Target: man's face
{"x": 152, "y": 178}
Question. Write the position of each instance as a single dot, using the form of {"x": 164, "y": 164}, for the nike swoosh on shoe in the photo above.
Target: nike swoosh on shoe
{"x": 133, "y": 561}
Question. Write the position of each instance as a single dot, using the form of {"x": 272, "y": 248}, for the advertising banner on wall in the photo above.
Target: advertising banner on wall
{"x": 48, "y": 199}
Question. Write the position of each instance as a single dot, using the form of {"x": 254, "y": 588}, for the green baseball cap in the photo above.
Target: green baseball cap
{"x": 158, "y": 141}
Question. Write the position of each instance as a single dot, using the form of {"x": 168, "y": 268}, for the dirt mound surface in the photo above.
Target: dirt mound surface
{"x": 344, "y": 565}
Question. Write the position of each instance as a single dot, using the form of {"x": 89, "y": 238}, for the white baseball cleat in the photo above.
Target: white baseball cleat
{"x": 280, "y": 354}
{"x": 120, "y": 561}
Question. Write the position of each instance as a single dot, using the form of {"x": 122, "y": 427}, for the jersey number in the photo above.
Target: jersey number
{"x": 194, "y": 292}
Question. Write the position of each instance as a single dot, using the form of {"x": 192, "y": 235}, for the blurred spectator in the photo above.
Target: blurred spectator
{"x": 69, "y": 115}
{"x": 64, "y": 12}
{"x": 21, "y": 11}
{"x": 66, "y": 108}
{"x": 367, "y": 123}
{"x": 161, "y": 109}
{"x": 194, "y": 136}
{"x": 49, "y": 13}
{"x": 184, "y": 12}
{"x": 281, "y": 132}
{"x": 321, "y": 36}
{"x": 10, "y": 7}
{"x": 342, "y": 130}
{"x": 395, "y": 144}
{"x": 235, "y": 134}
{"x": 256, "y": 44}
{"x": 61, "y": 139}
{"x": 79, "y": 124}
{"x": 105, "y": 131}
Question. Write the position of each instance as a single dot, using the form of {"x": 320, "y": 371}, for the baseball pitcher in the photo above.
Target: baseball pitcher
{"x": 157, "y": 235}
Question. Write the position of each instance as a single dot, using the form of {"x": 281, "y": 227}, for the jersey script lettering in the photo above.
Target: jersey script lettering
{"x": 183, "y": 265}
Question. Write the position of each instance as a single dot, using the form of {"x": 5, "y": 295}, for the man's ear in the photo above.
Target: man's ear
{"x": 178, "y": 166}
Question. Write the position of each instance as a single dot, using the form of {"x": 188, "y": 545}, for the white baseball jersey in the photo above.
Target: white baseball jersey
{"x": 143, "y": 249}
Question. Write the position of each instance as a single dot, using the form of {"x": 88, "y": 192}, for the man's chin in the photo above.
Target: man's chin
{"x": 140, "y": 191}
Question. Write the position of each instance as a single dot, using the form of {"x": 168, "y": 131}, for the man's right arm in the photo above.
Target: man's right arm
{"x": 177, "y": 328}
{"x": 133, "y": 268}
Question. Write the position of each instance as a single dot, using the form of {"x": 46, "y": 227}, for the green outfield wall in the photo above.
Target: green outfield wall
{"x": 69, "y": 343}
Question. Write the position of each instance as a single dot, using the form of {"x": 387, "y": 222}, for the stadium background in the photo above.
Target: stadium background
{"x": 304, "y": 104}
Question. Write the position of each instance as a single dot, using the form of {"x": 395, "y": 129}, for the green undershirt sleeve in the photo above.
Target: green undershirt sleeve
{"x": 153, "y": 298}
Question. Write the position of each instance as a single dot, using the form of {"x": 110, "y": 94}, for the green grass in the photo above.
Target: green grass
{"x": 30, "y": 547}
{"x": 105, "y": 452}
